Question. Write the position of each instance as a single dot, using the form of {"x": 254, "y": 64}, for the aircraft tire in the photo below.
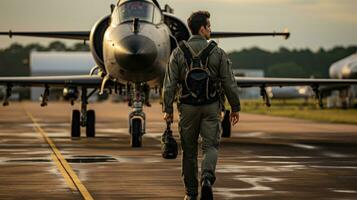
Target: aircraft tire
{"x": 136, "y": 135}
{"x": 90, "y": 126}
{"x": 226, "y": 125}
{"x": 76, "y": 124}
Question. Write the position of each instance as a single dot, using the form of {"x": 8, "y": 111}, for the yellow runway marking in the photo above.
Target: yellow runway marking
{"x": 63, "y": 172}
{"x": 67, "y": 172}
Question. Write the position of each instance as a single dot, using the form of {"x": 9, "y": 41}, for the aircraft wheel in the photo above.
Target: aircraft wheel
{"x": 226, "y": 125}
{"x": 136, "y": 135}
{"x": 76, "y": 124}
{"x": 90, "y": 126}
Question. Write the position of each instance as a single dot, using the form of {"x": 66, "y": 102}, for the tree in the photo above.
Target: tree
{"x": 80, "y": 47}
{"x": 286, "y": 70}
{"x": 57, "y": 46}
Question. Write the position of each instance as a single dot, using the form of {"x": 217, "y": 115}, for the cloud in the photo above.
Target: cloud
{"x": 335, "y": 10}
{"x": 332, "y": 10}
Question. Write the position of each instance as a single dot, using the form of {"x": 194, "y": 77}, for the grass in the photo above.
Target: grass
{"x": 301, "y": 110}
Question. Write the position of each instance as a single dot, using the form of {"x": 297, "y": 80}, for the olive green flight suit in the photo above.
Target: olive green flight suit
{"x": 204, "y": 120}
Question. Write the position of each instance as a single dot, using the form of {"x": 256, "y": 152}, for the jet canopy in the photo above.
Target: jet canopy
{"x": 145, "y": 11}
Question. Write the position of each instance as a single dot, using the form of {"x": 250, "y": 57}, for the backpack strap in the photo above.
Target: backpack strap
{"x": 204, "y": 54}
{"x": 187, "y": 53}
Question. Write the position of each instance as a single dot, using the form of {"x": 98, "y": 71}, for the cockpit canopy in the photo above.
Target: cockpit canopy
{"x": 144, "y": 10}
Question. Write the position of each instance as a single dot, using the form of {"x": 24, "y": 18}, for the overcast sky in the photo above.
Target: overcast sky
{"x": 312, "y": 23}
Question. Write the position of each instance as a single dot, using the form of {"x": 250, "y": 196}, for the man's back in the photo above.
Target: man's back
{"x": 198, "y": 43}
{"x": 219, "y": 67}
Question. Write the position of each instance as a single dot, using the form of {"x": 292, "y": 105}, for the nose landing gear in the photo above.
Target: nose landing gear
{"x": 137, "y": 118}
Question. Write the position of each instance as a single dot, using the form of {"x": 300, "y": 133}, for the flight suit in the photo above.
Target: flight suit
{"x": 204, "y": 120}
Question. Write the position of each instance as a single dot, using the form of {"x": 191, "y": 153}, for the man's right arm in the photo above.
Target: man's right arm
{"x": 228, "y": 82}
{"x": 170, "y": 83}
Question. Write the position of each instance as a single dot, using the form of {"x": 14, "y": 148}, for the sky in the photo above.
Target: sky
{"x": 312, "y": 23}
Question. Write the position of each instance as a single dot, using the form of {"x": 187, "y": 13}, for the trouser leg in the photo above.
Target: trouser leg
{"x": 189, "y": 125}
{"x": 211, "y": 134}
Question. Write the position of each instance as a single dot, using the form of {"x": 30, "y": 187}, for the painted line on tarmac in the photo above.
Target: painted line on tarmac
{"x": 63, "y": 172}
{"x": 67, "y": 172}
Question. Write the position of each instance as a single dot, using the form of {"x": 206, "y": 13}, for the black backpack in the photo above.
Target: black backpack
{"x": 198, "y": 88}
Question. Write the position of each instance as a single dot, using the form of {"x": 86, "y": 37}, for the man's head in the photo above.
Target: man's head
{"x": 199, "y": 24}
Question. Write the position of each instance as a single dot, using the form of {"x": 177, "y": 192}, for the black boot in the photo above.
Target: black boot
{"x": 187, "y": 197}
{"x": 206, "y": 190}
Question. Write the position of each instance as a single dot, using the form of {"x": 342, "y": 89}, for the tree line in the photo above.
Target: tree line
{"x": 297, "y": 63}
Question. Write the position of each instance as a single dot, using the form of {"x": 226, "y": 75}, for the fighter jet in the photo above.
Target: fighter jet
{"x": 345, "y": 68}
{"x": 131, "y": 47}
{"x": 342, "y": 96}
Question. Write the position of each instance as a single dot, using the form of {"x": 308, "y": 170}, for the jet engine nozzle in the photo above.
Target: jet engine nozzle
{"x": 136, "y": 52}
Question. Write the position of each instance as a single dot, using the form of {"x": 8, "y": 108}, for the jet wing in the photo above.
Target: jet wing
{"x": 75, "y": 35}
{"x": 318, "y": 85}
{"x": 53, "y": 81}
{"x": 265, "y": 82}
{"x": 286, "y": 34}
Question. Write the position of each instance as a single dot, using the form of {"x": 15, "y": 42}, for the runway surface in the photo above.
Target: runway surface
{"x": 266, "y": 158}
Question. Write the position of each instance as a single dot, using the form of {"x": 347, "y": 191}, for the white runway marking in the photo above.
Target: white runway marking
{"x": 304, "y": 146}
{"x": 335, "y": 155}
{"x": 47, "y": 124}
{"x": 345, "y": 191}
{"x": 257, "y": 169}
{"x": 283, "y": 157}
{"x": 334, "y": 167}
{"x": 252, "y": 135}
{"x": 112, "y": 130}
{"x": 256, "y": 185}
{"x": 139, "y": 160}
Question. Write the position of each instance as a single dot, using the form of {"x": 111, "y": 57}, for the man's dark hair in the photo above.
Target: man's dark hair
{"x": 196, "y": 20}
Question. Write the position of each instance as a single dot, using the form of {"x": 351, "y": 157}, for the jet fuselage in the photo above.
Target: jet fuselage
{"x": 136, "y": 49}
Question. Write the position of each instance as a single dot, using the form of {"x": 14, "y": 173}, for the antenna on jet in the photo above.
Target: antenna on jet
{"x": 112, "y": 7}
{"x": 168, "y": 9}
{"x": 286, "y": 31}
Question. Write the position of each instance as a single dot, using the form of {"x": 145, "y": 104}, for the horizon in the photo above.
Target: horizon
{"x": 70, "y": 45}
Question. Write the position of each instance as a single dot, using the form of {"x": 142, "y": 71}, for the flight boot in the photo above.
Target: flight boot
{"x": 206, "y": 190}
{"x": 187, "y": 197}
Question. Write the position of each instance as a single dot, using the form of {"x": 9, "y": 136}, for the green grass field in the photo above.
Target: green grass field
{"x": 298, "y": 109}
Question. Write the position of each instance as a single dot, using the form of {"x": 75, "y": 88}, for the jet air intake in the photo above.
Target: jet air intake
{"x": 136, "y": 52}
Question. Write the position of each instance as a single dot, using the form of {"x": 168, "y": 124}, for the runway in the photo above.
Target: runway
{"x": 266, "y": 157}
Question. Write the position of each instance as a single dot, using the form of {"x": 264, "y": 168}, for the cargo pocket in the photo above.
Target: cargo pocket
{"x": 218, "y": 135}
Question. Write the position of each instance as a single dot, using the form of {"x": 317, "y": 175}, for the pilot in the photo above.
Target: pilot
{"x": 203, "y": 118}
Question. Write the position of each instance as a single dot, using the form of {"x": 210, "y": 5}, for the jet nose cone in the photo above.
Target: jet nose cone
{"x": 136, "y": 53}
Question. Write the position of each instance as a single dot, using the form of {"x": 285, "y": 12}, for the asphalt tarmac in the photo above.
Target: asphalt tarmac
{"x": 266, "y": 157}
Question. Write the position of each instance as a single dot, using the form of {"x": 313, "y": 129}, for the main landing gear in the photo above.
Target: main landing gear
{"x": 84, "y": 118}
{"x": 137, "y": 117}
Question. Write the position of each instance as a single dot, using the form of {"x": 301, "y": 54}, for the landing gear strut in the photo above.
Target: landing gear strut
{"x": 7, "y": 95}
{"x": 83, "y": 118}
{"x": 137, "y": 116}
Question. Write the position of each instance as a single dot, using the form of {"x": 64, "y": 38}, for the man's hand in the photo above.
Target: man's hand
{"x": 168, "y": 117}
{"x": 234, "y": 118}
